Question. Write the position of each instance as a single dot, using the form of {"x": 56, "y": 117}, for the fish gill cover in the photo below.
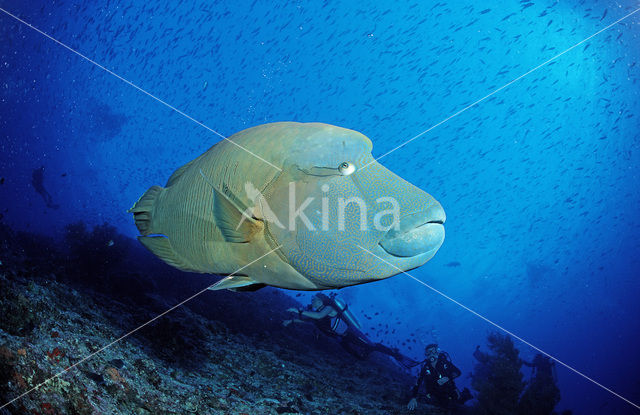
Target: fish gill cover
{"x": 520, "y": 123}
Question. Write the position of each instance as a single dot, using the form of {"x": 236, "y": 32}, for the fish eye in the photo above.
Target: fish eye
{"x": 345, "y": 168}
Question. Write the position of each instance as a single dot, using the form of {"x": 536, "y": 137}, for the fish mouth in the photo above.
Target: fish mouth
{"x": 417, "y": 234}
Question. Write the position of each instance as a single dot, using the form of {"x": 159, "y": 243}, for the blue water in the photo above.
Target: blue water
{"x": 540, "y": 181}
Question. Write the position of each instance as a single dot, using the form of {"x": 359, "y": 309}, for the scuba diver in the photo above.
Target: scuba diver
{"x": 332, "y": 317}
{"x": 541, "y": 394}
{"x": 438, "y": 374}
{"x": 542, "y": 367}
{"x": 37, "y": 181}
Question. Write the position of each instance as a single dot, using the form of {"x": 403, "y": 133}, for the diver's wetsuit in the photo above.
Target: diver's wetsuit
{"x": 541, "y": 394}
{"x": 37, "y": 181}
{"x": 543, "y": 367}
{"x": 442, "y": 395}
{"x": 355, "y": 341}
{"x": 352, "y": 339}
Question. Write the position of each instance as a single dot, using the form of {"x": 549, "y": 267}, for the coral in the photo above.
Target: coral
{"x": 96, "y": 258}
{"x": 541, "y": 394}
{"x": 223, "y": 353}
{"x": 99, "y": 250}
{"x": 499, "y": 381}
{"x": 56, "y": 355}
{"x": 6, "y": 368}
{"x": 115, "y": 376}
{"x": 17, "y": 311}
{"x": 497, "y": 377}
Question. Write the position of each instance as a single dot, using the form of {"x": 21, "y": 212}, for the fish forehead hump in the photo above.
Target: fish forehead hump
{"x": 325, "y": 145}
{"x": 288, "y": 143}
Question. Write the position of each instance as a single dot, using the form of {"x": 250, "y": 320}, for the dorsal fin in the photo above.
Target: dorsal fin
{"x": 176, "y": 174}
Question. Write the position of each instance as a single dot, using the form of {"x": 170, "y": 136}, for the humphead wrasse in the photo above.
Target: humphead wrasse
{"x": 326, "y": 204}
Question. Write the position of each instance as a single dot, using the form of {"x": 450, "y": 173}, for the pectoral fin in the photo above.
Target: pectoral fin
{"x": 232, "y": 217}
{"x": 234, "y": 221}
{"x": 237, "y": 283}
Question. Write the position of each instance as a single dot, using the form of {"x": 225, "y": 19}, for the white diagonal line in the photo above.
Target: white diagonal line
{"x": 138, "y": 88}
{"x": 498, "y": 90}
{"x": 502, "y": 328}
{"x": 132, "y": 331}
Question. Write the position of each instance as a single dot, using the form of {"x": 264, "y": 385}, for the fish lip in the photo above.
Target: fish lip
{"x": 404, "y": 245}
{"x": 435, "y": 214}
{"x": 439, "y": 221}
{"x": 420, "y": 234}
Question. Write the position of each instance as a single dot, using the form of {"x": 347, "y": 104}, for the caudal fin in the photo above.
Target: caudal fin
{"x": 143, "y": 208}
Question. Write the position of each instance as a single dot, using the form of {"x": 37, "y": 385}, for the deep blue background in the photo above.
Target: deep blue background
{"x": 541, "y": 182}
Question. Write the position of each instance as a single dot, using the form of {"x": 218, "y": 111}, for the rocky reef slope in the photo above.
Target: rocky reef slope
{"x": 68, "y": 305}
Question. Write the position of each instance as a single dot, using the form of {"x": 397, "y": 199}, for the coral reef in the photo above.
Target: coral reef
{"x": 98, "y": 251}
{"x": 499, "y": 381}
{"x": 497, "y": 377}
{"x": 541, "y": 394}
{"x": 222, "y": 353}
